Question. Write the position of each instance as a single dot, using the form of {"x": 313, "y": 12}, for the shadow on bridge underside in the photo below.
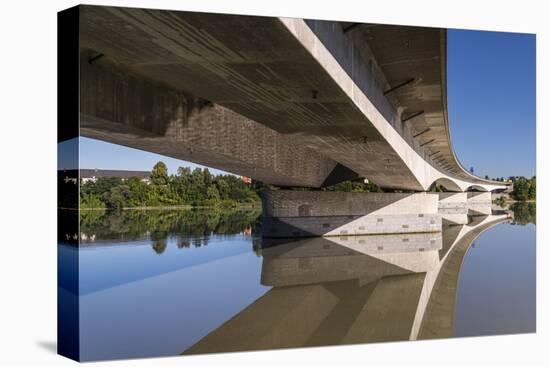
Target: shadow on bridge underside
{"x": 307, "y": 97}
{"x": 351, "y": 289}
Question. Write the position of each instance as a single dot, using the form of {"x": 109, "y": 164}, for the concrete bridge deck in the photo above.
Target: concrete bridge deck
{"x": 290, "y": 102}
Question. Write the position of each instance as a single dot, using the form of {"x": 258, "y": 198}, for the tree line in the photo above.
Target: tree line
{"x": 197, "y": 187}
{"x": 524, "y": 188}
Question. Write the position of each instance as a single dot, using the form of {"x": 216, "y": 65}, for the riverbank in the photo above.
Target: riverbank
{"x": 521, "y": 201}
{"x": 182, "y": 207}
{"x": 507, "y": 203}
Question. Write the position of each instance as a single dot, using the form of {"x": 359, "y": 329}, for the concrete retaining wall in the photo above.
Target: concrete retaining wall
{"x": 285, "y": 203}
{"x": 319, "y": 213}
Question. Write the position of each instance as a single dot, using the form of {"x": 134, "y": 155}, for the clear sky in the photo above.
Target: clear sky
{"x": 98, "y": 154}
{"x": 491, "y": 102}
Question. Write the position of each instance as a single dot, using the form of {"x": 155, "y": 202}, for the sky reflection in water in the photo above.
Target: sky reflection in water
{"x": 163, "y": 283}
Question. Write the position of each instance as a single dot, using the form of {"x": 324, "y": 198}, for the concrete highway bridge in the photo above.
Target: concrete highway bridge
{"x": 289, "y": 102}
{"x": 353, "y": 289}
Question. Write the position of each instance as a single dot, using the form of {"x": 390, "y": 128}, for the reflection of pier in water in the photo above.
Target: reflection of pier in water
{"x": 354, "y": 289}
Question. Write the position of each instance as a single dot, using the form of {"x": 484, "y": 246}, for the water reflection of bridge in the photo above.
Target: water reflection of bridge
{"x": 353, "y": 289}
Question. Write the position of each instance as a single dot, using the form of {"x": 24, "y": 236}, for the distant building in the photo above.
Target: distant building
{"x": 246, "y": 180}
{"x": 91, "y": 175}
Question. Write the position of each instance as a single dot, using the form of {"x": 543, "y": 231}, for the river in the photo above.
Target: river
{"x": 171, "y": 282}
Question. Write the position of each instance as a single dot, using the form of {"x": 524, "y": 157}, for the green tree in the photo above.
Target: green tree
{"x": 212, "y": 193}
{"x": 207, "y": 177}
{"x": 117, "y": 197}
{"x": 139, "y": 192}
{"x": 184, "y": 171}
{"x": 525, "y": 189}
{"x": 91, "y": 201}
{"x": 353, "y": 186}
{"x": 159, "y": 174}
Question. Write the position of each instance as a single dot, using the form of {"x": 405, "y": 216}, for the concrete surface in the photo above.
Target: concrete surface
{"x": 321, "y": 213}
{"x": 316, "y": 86}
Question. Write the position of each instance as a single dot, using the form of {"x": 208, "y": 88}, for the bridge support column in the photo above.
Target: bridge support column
{"x": 453, "y": 207}
{"x": 452, "y": 200}
{"x": 322, "y": 213}
{"x": 479, "y": 202}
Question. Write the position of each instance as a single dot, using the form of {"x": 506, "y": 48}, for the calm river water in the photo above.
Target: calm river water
{"x": 171, "y": 282}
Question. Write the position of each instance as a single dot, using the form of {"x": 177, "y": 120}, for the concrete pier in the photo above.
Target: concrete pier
{"x": 452, "y": 200}
{"x": 479, "y": 202}
{"x": 314, "y": 260}
{"x": 322, "y": 213}
{"x": 455, "y": 207}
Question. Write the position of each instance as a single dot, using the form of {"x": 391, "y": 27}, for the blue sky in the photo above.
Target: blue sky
{"x": 98, "y": 154}
{"x": 491, "y": 102}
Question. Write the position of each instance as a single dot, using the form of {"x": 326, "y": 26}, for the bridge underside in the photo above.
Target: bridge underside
{"x": 257, "y": 96}
{"x": 126, "y": 110}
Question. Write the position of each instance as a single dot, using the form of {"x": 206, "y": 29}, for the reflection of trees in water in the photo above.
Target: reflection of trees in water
{"x": 184, "y": 243}
{"x": 159, "y": 246}
{"x": 132, "y": 224}
{"x": 257, "y": 246}
{"x": 524, "y": 213}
